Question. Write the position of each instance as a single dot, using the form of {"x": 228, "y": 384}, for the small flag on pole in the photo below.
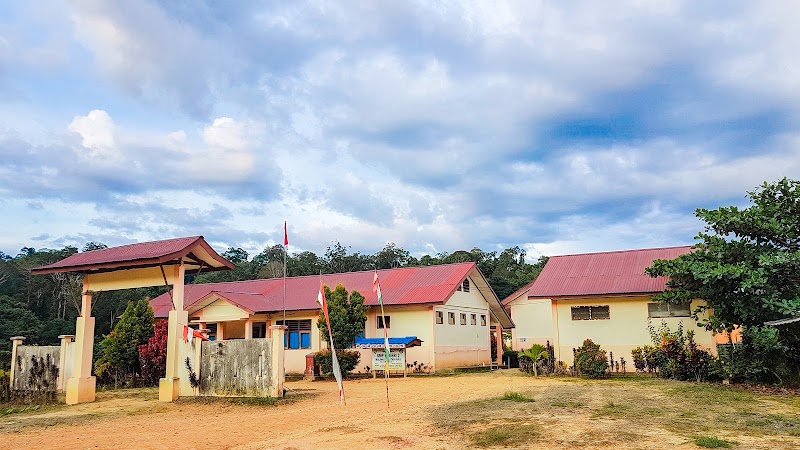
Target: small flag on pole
{"x": 285, "y": 235}
{"x": 337, "y": 371}
{"x": 376, "y": 287}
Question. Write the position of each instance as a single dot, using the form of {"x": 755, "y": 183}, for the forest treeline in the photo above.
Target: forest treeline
{"x": 42, "y": 307}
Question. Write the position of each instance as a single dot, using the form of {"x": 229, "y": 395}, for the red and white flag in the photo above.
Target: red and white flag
{"x": 376, "y": 287}
{"x": 337, "y": 370}
{"x": 285, "y": 235}
{"x": 189, "y": 333}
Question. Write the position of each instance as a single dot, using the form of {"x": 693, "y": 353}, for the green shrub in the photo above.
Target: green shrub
{"x": 348, "y": 360}
{"x": 675, "y": 355}
{"x": 590, "y": 360}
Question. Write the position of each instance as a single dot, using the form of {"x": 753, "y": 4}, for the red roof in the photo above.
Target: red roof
{"x": 143, "y": 254}
{"x": 401, "y": 286}
{"x": 620, "y": 272}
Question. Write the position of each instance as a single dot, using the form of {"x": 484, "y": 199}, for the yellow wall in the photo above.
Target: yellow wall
{"x": 533, "y": 320}
{"x": 220, "y": 311}
{"x": 295, "y": 358}
{"x": 412, "y": 320}
{"x": 625, "y": 330}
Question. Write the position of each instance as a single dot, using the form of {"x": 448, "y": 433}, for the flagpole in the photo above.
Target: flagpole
{"x": 285, "y": 251}
{"x": 377, "y": 288}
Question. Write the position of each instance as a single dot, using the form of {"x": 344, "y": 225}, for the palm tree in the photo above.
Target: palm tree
{"x": 536, "y": 353}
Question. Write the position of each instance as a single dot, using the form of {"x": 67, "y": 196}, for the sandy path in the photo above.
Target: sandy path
{"x": 425, "y": 413}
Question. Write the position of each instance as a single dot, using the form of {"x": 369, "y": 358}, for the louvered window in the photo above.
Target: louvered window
{"x": 659, "y": 310}
{"x": 590, "y": 312}
{"x": 298, "y": 334}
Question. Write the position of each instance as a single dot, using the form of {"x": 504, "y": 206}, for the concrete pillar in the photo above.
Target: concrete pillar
{"x": 66, "y": 339}
{"x": 81, "y": 385}
{"x": 248, "y": 329}
{"x": 220, "y": 331}
{"x": 169, "y": 386}
{"x": 278, "y": 371}
{"x": 16, "y": 341}
{"x": 498, "y": 338}
{"x": 556, "y": 331}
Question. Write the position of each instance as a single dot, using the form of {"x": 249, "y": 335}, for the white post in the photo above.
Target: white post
{"x": 66, "y": 339}
{"x": 16, "y": 341}
{"x": 278, "y": 374}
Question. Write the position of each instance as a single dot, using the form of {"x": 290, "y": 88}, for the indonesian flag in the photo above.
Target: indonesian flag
{"x": 337, "y": 370}
{"x": 285, "y": 235}
{"x": 189, "y": 333}
{"x": 376, "y": 287}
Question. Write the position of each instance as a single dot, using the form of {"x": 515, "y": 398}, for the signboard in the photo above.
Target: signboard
{"x": 397, "y": 359}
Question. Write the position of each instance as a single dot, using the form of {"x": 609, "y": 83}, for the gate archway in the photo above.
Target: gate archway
{"x": 155, "y": 263}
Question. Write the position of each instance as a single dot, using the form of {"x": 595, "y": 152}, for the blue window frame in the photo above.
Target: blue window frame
{"x": 298, "y": 334}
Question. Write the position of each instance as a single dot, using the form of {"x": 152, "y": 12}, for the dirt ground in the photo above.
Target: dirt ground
{"x": 453, "y": 412}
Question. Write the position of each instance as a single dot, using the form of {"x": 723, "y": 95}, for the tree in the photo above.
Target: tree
{"x": 92, "y": 245}
{"x": 746, "y": 265}
{"x": 235, "y": 255}
{"x": 119, "y": 350}
{"x": 391, "y": 256}
{"x": 153, "y": 354}
{"x": 746, "y": 268}
{"x": 347, "y": 313}
{"x": 15, "y": 320}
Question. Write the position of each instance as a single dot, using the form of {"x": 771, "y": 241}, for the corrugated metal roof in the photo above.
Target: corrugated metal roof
{"x": 401, "y": 286}
{"x": 517, "y": 293}
{"x": 620, "y": 272}
{"x": 138, "y": 255}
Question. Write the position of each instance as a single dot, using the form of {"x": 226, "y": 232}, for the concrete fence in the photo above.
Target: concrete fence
{"x": 40, "y": 368}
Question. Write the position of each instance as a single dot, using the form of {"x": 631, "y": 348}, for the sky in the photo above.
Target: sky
{"x": 559, "y": 127}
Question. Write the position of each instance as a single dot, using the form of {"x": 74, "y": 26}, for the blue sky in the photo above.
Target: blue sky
{"x": 561, "y": 127}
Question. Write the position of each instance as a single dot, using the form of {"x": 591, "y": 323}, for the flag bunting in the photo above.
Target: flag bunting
{"x": 337, "y": 370}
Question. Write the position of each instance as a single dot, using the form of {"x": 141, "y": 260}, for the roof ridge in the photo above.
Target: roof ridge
{"x": 633, "y": 250}
{"x": 145, "y": 242}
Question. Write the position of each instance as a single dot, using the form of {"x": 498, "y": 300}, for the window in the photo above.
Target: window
{"x": 590, "y": 312}
{"x": 657, "y": 310}
{"x": 465, "y": 285}
{"x": 439, "y": 317}
{"x": 473, "y": 319}
{"x": 212, "y": 331}
{"x": 388, "y": 322}
{"x": 259, "y": 330}
{"x": 483, "y": 320}
{"x": 463, "y": 319}
{"x": 451, "y": 318}
{"x": 298, "y": 334}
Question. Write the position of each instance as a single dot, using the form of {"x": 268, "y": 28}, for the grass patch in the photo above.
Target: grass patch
{"x": 712, "y": 442}
{"x": 505, "y": 435}
{"x": 516, "y": 397}
{"x": 705, "y": 393}
{"x": 7, "y": 411}
{"x": 611, "y": 409}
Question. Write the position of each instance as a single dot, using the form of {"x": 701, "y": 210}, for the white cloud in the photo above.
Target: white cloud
{"x": 97, "y": 136}
{"x": 225, "y": 133}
